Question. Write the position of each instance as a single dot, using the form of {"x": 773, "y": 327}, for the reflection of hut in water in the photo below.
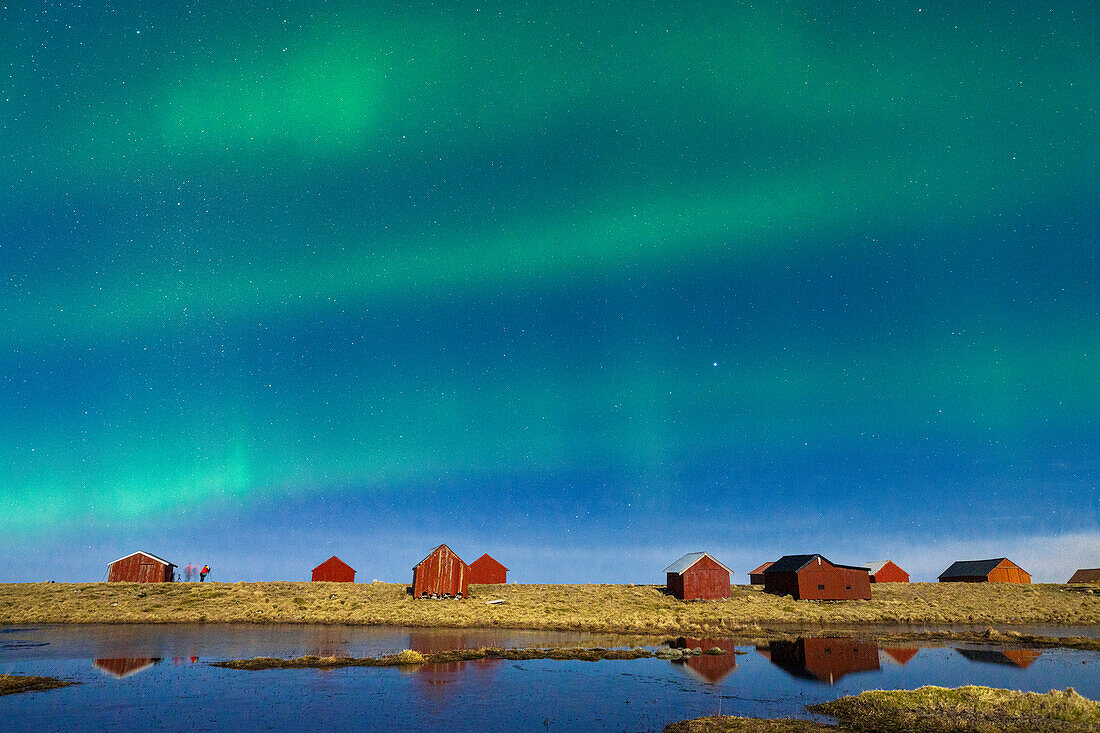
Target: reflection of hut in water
{"x": 826, "y": 660}
{"x": 333, "y": 570}
{"x": 886, "y": 571}
{"x": 326, "y": 640}
{"x": 756, "y": 577}
{"x": 437, "y": 676}
{"x": 1086, "y": 575}
{"x": 1021, "y": 658}
{"x": 697, "y": 577}
{"x": 441, "y": 573}
{"x": 997, "y": 570}
{"x": 124, "y": 667}
{"x": 140, "y": 567}
{"x": 902, "y": 655}
{"x": 709, "y": 668}
{"x": 487, "y": 571}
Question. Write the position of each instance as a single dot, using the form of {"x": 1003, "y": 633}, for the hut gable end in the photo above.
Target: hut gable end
{"x": 441, "y": 573}
{"x": 333, "y": 570}
{"x": 486, "y": 570}
{"x": 698, "y": 576}
{"x": 887, "y": 571}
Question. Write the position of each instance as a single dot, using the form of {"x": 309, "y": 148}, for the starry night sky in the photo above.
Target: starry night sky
{"x": 582, "y": 286}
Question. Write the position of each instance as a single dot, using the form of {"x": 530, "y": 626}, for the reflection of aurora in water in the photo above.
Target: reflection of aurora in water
{"x": 369, "y": 266}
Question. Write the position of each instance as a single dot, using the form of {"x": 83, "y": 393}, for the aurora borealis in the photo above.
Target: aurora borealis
{"x": 548, "y": 280}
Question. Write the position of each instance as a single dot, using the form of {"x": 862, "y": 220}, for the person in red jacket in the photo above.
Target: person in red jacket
{"x": 203, "y": 573}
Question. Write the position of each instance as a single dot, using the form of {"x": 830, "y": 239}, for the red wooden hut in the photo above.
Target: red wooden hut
{"x": 826, "y": 660}
{"x": 698, "y": 576}
{"x": 813, "y": 577}
{"x": 885, "y": 571}
{"x": 334, "y": 570}
{"x": 486, "y": 571}
{"x": 442, "y": 574}
{"x": 1086, "y": 575}
{"x": 756, "y": 577}
{"x": 140, "y": 567}
{"x": 997, "y": 570}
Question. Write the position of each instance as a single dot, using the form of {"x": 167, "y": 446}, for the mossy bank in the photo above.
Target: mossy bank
{"x": 927, "y": 710}
{"x": 641, "y": 609}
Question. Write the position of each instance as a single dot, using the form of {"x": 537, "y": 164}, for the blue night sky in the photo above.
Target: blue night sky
{"x": 582, "y": 287}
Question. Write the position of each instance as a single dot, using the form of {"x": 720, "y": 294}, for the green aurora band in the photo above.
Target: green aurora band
{"x": 190, "y": 196}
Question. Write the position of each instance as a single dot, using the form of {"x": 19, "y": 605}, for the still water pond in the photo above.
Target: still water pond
{"x": 158, "y": 677}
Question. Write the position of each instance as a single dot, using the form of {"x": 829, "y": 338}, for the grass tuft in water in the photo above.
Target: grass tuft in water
{"x": 11, "y": 684}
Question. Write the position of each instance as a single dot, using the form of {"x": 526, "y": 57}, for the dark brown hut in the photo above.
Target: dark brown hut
{"x": 333, "y": 570}
{"x": 442, "y": 574}
{"x": 815, "y": 578}
{"x": 1086, "y": 575}
{"x": 997, "y": 570}
{"x": 885, "y": 571}
{"x": 486, "y": 571}
{"x": 698, "y": 576}
{"x": 140, "y": 567}
{"x": 756, "y": 577}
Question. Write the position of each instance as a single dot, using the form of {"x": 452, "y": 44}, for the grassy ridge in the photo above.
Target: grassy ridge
{"x": 642, "y": 609}
{"x": 927, "y": 710}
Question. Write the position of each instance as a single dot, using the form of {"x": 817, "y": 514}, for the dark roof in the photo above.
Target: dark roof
{"x": 967, "y": 568}
{"x": 1086, "y": 575}
{"x": 794, "y": 563}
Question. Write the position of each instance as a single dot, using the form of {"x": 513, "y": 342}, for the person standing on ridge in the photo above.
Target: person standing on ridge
{"x": 203, "y": 573}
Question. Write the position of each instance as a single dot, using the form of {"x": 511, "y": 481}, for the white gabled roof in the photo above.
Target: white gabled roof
{"x": 147, "y": 554}
{"x": 690, "y": 559}
{"x": 875, "y": 566}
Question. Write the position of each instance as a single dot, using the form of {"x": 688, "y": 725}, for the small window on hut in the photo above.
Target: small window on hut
{"x": 847, "y": 587}
{"x": 821, "y": 587}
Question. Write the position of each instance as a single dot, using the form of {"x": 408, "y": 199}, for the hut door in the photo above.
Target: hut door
{"x": 147, "y": 573}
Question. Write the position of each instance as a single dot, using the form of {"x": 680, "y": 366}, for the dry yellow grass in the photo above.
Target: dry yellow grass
{"x": 927, "y": 710}
{"x": 970, "y": 709}
{"x": 641, "y": 609}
